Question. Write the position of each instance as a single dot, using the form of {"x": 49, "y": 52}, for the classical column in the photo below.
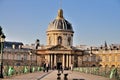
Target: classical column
{"x": 51, "y": 61}
{"x": 63, "y": 61}
{"x": 55, "y": 39}
{"x": 69, "y": 60}
{"x": 48, "y": 58}
{"x": 54, "y": 59}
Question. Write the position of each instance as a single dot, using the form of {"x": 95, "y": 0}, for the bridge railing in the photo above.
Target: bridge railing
{"x": 18, "y": 70}
{"x": 112, "y": 73}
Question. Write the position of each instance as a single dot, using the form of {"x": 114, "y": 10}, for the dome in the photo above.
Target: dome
{"x": 60, "y": 23}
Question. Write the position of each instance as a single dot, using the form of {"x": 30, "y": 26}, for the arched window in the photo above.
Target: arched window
{"x": 69, "y": 41}
{"x": 59, "y": 40}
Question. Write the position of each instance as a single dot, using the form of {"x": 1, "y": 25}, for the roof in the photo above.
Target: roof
{"x": 60, "y": 23}
{"x": 8, "y": 44}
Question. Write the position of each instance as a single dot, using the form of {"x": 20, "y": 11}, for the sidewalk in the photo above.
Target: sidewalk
{"x": 73, "y": 75}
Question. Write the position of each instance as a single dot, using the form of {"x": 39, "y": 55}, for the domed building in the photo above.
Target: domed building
{"x": 59, "y": 49}
{"x": 60, "y": 31}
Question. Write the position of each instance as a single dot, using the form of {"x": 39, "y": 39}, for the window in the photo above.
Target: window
{"x": 69, "y": 41}
{"x": 59, "y": 40}
{"x": 19, "y": 57}
{"x": 25, "y": 56}
{"x": 85, "y": 58}
{"x": 93, "y": 58}
{"x": 107, "y": 58}
{"x": 118, "y": 58}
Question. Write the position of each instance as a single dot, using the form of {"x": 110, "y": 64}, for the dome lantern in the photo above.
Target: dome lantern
{"x": 60, "y": 14}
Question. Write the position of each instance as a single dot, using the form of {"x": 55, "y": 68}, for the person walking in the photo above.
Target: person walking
{"x": 71, "y": 67}
{"x": 47, "y": 66}
{"x": 61, "y": 68}
{"x": 44, "y": 67}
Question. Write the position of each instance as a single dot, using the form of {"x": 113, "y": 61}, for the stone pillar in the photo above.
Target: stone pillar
{"x": 69, "y": 60}
{"x": 48, "y": 58}
{"x": 63, "y": 62}
{"x": 54, "y": 59}
{"x": 55, "y": 39}
{"x": 51, "y": 61}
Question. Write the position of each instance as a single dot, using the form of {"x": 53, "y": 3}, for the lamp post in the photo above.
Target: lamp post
{"x": 2, "y": 39}
{"x": 91, "y": 55}
{"x": 30, "y": 61}
{"x": 91, "y": 51}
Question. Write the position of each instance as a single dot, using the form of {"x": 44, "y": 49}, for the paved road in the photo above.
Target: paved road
{"x": 52, "y": 75}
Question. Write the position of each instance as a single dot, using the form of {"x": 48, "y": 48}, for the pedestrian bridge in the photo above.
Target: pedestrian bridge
{"x": 52, "y": 75}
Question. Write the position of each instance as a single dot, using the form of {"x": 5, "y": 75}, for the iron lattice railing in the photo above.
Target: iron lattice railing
{"x": 17, "y": 70}
{"x": 112, "y": 73}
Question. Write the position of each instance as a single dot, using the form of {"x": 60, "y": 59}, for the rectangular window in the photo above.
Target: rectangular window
{"x": 107, "y": 58}
{"x": 25, "y": 56}
{"x": 113, "y": 58}
{"x": 18, "y": 57}
{"x": 118, "y": 58}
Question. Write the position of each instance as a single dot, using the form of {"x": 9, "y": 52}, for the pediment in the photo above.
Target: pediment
{"x": 58, "y": 47}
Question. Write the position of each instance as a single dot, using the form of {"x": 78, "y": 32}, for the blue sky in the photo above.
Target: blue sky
{"x": 94, "y": 21}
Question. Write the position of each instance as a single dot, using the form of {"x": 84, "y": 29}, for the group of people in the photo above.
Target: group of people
{"x": 60, "y": 69}
{"x": 46, "y": 67}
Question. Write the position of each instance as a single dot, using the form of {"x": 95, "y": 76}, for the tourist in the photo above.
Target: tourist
{"x": 71, "y": 67}
{"x": 44, "y": 67}
{"x": 61, "y": 68}
{"x": 47, "y": 66}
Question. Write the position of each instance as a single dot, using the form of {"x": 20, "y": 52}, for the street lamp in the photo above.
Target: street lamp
{"x": 30, "y": 61}
{"x": 91, "y": 51}
{"x": 91, "y": 55}
{"x": 2, "y": 39}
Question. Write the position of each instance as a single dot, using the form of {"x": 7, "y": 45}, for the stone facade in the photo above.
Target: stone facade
{"x": 19, "y": 57}
{"x": 108, "y": 58}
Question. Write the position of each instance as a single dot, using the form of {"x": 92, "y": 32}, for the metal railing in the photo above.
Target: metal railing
{"x": 112, "y": 73}
{"x": 18, "y": 70}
